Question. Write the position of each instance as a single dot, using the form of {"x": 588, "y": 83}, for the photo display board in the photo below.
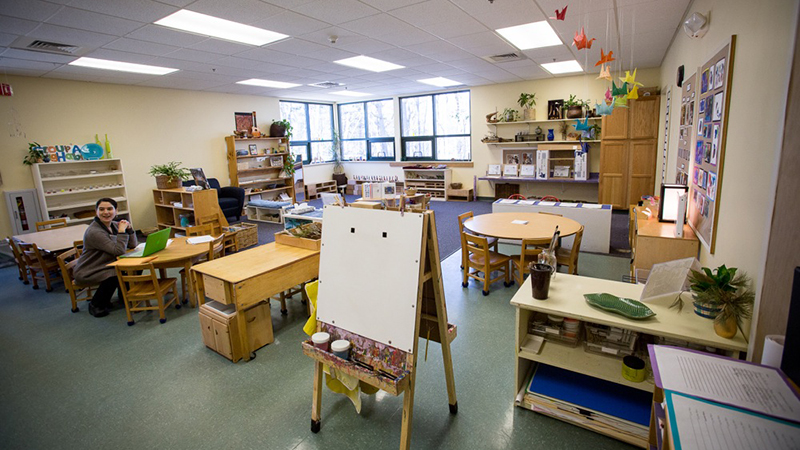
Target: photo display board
{"x": 685, "y": 134}
{"x": 708, "y": 153}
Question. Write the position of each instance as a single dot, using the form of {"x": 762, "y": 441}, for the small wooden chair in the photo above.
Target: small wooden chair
{"x": 570, "y": 258}
{"x": 216, "y": 229}
{"x": 19, "y": 259}
{"x": 50, "y": 224}
{"x": 551, "y": 214}
{"x": 461, "y": 219}
{"x": 483, "y": 261}
{"x": 41, "y": 265}
{"x": 78, "y": 246}
{"x": 215, "y": 249}
{"x": 77, "y": 292}
{"x": 531, "y": 248}
{"x": 139, "y": 288}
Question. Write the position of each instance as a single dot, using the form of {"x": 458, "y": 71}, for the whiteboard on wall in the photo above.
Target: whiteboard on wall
{"x": 369, "y": 273}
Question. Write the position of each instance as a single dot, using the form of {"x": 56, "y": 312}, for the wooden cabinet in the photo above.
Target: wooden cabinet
{"x": 220, "y": 329}
{"x": 429, "y": 181}
{"x": 256, "y": 165}
{"x": 172, "y": 205}
{"x": 628, "y": 154}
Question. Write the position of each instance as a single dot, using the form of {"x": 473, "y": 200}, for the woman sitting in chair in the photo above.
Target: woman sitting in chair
{"x": 104, "y": 240}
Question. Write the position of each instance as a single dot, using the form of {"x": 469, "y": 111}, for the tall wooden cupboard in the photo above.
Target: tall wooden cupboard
{"x": 628, "y": 152}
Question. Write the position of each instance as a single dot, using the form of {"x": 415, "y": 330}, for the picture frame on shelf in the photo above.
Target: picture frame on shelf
{"x": 527, "y": 170}
{"x": 241, "y": 152}
{"x": 510, "y": 170}
{"x": 276, "y": 161}
{"x": 561, "y": 172}
{"x": 554, "y": 108}
{"x": 244, "y": 121}
{"x": 253, "y": 149}
{"x": 200, "y": 178}
{"x": 493, "y": 170}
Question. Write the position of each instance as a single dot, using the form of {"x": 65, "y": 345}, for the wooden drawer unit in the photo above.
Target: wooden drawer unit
{"x": 220, "y": 329}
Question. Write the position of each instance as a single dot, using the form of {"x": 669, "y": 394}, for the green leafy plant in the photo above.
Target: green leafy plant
{"x": 35, "y": 153}
{"x": 285, "y": 123}
{"x": 526, "y": 101}
{"x": 172, "y": 169}
{"x": 723, "y": 288}
{"x": 509, "y": 115}
{"x": 338, "y": 167}
{"x": 288, "y": 166}
{"x": 574, "y": 101}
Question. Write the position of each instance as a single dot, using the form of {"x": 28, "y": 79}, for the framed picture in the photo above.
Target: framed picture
{"x": 527, "y": 170}
{"x": 711, "y": 78}
{"x": 241, "y": 152}
{"x": 200, "y": 178}
{"x": 717, "y": 106}
{"x": 702, "y": 105}
{"x": 712, "y": 185}
{"x": 493, "y": 170}
{"x": 554, "y": 109}
{"x": 698, "y": 153}
{"x": 276, "y": 161}
{"x": 707, "y": 152}
{"x": 561, "y": 172}
{"x": 719, "y": 73}
{"x": 714, "y": 144}
{"x": 244, "y": 121}
{"x": 691, "y": 113}
{"x": 709, "y": 108}
{"x": 512, "y": 158}
{"x": 527, "y": 158}
{"x": 510, "y": 170}
{"x": 704, "y": 82}
{"x": 700, "y": 123}
{"x": 253, "y": 149}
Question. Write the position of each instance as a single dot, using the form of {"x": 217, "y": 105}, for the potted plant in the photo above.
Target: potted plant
{"x": 574, "y": 107}
{"x": 592, "y": 133}
{"x": 509, "y": 115}
{"x": 288, "y": 168}
{"x": 724, "y": 295}
{"x": 170, "y": 175}
{"x": 280, "y": 128}
{"x": 527, "y": 102}
{"x": 35, "y": 154}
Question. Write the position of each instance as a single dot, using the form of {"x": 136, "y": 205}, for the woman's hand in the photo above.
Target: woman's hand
{"x": 123, "y": 225}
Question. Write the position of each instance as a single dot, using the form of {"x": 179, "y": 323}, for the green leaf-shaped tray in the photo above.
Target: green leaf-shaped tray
{"x": 632, "y": 309}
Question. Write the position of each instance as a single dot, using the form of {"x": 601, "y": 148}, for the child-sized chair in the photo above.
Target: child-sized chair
{"x": 77, "y": 292}
{"x": 139, "y": 285}
{"x": 484, "y": 261}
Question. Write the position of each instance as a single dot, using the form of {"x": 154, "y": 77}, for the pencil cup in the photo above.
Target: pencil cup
{"x": 540, "y": 280}
{"x": 321, "y": 340}
{"x": 341, "y": 348}
{"x": 633, "y": 368}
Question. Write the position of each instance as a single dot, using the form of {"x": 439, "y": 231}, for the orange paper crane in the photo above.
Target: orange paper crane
{"x": 605, "y": 58}
{"x": 605, "y": 74}
{"x": 581, "y": 42}
{"x": 560, "y": 15}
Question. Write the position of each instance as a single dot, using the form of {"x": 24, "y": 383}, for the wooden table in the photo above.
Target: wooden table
{"x": 655, "y": 242}
{"x": 55, "y": 239}
{"x": 539, "y": 226}
{"x": 179, "y": 253}
{"x": 251, "y": 276}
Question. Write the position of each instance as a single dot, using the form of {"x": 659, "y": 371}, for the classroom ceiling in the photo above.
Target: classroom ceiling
{"x": 431, "y": 38}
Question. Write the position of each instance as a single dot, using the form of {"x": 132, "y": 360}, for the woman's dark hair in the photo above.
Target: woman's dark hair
{"x": 107, "y": 200}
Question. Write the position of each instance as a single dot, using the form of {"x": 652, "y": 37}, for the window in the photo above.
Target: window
{"x": 436, "y": 127}
{"x": 367, "y": 130}
{"x": 312, "y": 130}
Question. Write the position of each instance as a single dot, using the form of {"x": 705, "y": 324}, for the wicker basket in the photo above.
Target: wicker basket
{"x": 246, "y": 234}
{"x": 165, "y": 182}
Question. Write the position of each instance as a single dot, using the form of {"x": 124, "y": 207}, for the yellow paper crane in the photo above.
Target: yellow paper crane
{"x": 634, "y": 93}
{"x": 630, "y": 79}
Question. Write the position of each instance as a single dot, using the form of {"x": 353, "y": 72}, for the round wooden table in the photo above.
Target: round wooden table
{"x": 540, "y": 226}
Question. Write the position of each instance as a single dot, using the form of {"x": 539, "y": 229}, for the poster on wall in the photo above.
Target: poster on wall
{"x": 686, "y": 131}
{"x": 709, "y": 149}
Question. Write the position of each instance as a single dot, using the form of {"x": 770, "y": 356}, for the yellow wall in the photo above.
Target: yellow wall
{"x": 764, "y": 49}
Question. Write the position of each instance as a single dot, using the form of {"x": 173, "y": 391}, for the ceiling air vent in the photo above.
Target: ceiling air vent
{"x": 37, "y": 45}
{"x": 505, "y": 57}
{"x": 327, "y": 84}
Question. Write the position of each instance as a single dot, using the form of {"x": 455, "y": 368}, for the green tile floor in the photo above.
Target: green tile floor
{"x": 73, "y": 381}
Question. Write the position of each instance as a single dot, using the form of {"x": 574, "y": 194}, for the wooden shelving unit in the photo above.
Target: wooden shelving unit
{"x": 313, "y": 190}
{"x": 429, "y": 181}
{"x": 259, "y": 174}
{"x": 172, "y": 204}
{"x": 67, "y": 188}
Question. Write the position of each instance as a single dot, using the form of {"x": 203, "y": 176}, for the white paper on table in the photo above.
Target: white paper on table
{"x": 527, "y": 202}
{"x": 199, "y": 239}
{"x": 591, "y": 206}
{"x": 670, "y": 277}
{"x": 547, "y": 203}
{"x": 169, "y": 242}
{"x": 508, "y": 201}
{"x": 568, "y": 205}
{"x": 736, "y": 383}
{"x": 519, "y": 222}
{"x": 705, "y": 425}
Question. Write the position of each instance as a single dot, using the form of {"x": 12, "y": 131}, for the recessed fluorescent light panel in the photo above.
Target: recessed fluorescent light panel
{"x": 439, "y": 81}
{"x": 367, "y": 63}
{"x": 193, "y": 22}
{"x": 350, "y": 93}
{"x": 531, "y": 35}
{"x": 119, "y": 66}
{"x": 268, "y": 83}
{"x": 563, "y": 67}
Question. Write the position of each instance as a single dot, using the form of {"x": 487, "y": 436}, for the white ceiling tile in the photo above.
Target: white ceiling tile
{"x": 164, "y": 35}
{"x": 242, "y": 11}
{"x": 343, "y": 36}
{"x": 16, "y": 26}
{"x": 55, "y": 33}
{"x": 297, "y": 61}
{"x": 193, "y": 55}
{"x": 439, "y": 50}
{"x": 502, "y": 13}
{"x": 291, "y": 23}
{"x": 650, "y": 16}
{"x": 331, "y": 54}
{"x": 116, "y": 55}
{"x": 529, "y": 72}
{"x": 29, "y": 9}
{"x": 27, "y": 64}
{"x": 213, "y": 77}
{"x": 410, "y": 37}
{"x": 336, "y": 12}
{"x": 389, "y": 5}
{"x": 146, "y": 11}
{"x": 471, "y": 64}
{"x": 100, "y": 23}
{"x": 557, "y": 52}
{"x": 221, "y": 46}
{"x": 106, "y": 75}
{"x": 377, "y": 25}
{"x": 178, "y": 3}
{"x": 6, "y": 39}
{"x": 296, "y": 46}
{"x": 23, "y": 72}
{"x": 364, "y": 46}
{"x": 394, "y": 54}
{"x": 415, "y": 61}
{"x": 142, "y": 47}
{"x": 251, "y": 64}
{"x": 36, "y": 56}
{"x": 179, "y": 83}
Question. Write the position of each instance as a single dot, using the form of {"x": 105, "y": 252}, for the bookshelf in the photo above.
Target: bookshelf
{"x": 256, "y": 165}
{"x": 429, "y": 181}
{"x": 172, "y": 204}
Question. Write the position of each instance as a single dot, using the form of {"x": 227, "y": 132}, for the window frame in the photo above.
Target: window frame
{"x": 432, "y": 138}
{"x": 308, "y": 157}
{"x": 368, "y": 140}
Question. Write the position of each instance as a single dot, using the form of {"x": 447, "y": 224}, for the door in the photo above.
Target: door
{"x": 207, "y": 329}
{"x": 614, "y": 173}
{"x": 643, "y": 122}
{"x": 642, "y": 176}
{"x": 615, "y": 126}
{"x": 222, "y": 339}
{"x": 23, "y": 210}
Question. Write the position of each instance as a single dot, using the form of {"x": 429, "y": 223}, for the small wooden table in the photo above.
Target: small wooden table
{"x": 179, "y": 253}
{"x": 539, "y": 226}
{"x": 655, "y": 242}
{"x": 55, "y": 239}
{"x": 248, "y": 277}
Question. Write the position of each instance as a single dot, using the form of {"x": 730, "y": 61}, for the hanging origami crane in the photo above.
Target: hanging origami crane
{"x": 560, "y": 15}
{"x": 621, "y": 101}
{"x": 581, "y": 42}
{"x": 634, "y": 93}
{"x": 609, "y": 97}
{"x": 630, "y": 79}
{"x": 605, "y": 73}
{"x": 622, "y": 90}
{"x": 605, "y": 58}
{"x": 604, "y": 109}
{"x": 582, "y": 126}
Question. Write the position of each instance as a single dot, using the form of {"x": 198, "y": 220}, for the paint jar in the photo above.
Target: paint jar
{"x": 633, "y": 369}
{"x": 571, "y": 327}
{"x": 341, "y": 348}
{"x": 321, "y": 340}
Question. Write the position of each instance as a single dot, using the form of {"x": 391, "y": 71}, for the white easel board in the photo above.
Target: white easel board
{"x": 369, "y": 273}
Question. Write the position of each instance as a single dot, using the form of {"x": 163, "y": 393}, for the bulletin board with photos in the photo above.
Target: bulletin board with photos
{"x": 685, "y": 131}
{"x": 523, "y": 159}
{"x": 713, "y": 88}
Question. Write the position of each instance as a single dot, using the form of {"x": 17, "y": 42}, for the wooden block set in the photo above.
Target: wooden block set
{"x": 313, "y": 190}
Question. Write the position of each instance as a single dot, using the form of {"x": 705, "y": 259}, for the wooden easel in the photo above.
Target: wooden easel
{"x": 394, "y": 370}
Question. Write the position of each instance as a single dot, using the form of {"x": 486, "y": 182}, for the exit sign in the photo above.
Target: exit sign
{"x": 5, "y": 90}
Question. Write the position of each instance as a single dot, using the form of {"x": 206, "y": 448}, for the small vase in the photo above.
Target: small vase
{"x": 550, "y": 135}
{"x": 726, "y": 329}
{"x": 705, "y": 309}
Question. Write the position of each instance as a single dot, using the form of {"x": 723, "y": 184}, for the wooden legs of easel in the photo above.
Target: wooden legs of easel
{"x": 316, "y": 402}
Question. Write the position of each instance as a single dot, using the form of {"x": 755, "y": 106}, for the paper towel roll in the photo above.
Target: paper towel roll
{"x": 773, "y": 350}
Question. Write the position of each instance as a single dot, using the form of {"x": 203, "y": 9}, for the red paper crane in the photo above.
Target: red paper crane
{"x": 560, "y": 15}
{"x": 605, "y": 58}
{"x": 580, "y": 40}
